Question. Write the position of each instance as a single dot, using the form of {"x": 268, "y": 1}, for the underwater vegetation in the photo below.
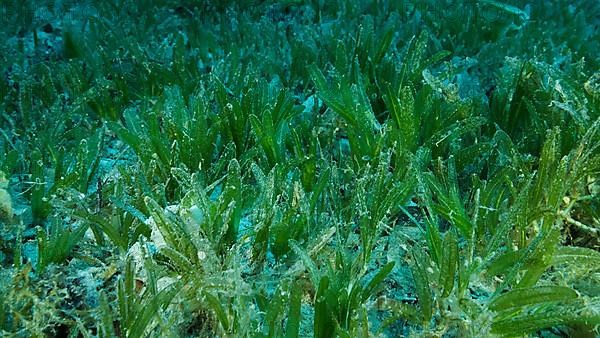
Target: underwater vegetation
{"x": 300, "y": 168}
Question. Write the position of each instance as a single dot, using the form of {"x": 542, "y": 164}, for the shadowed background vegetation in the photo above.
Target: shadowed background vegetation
{"x": 300, "y": 168}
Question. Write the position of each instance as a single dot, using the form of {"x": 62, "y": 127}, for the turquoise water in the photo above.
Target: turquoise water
{"x": 299, "y": 168}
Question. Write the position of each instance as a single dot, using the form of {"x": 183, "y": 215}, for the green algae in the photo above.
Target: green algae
{"x": 317, "y": 168}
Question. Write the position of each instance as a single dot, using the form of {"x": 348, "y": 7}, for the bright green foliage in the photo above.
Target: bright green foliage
{"x": 217, "y": 218}
{"x": 349, "y": 100}
{"x": 520, "y": 248}
{"x": 74, "y": 170}
{"x": 448, "y": 263}
{"x": 300, "y": 168}
{"x": 341, "y": 291}
{"x": 180, "y": 250}
{"x": 275, "y": 311}
{"x": 40, "y": 206}
{"x": 138, "y": 311}
{"x": 449, "y": 203}
{"x": 273, "y": 126}
{"x": 278, "y": 221}
{"x": 56, "y": 244}
{"x": 121, "y": 227}
{"x": 377, "y": 194}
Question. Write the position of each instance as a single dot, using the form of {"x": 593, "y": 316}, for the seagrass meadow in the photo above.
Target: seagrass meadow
{"x": 319, "y": 168}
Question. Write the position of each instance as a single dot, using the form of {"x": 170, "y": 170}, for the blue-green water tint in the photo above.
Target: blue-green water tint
{"x": 299, "y": 168}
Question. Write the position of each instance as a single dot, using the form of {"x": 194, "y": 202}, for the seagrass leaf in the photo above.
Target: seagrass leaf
{"x": 424, "y": 294}
{"x": 309, "y": 264}
{"x": 535, "y": 318}
{"x": 576, "y": 256}
{"x": 294, "y": 315}
{"x": 150, "y": 308}
{"x": 215, "y": 304}
{"x": 547, "y": 165}
{"x": 449, "y": 263}
{"x": 528, "y": 296}
{"x": 401, "y": 109}
{"x": 376, "y": 280}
